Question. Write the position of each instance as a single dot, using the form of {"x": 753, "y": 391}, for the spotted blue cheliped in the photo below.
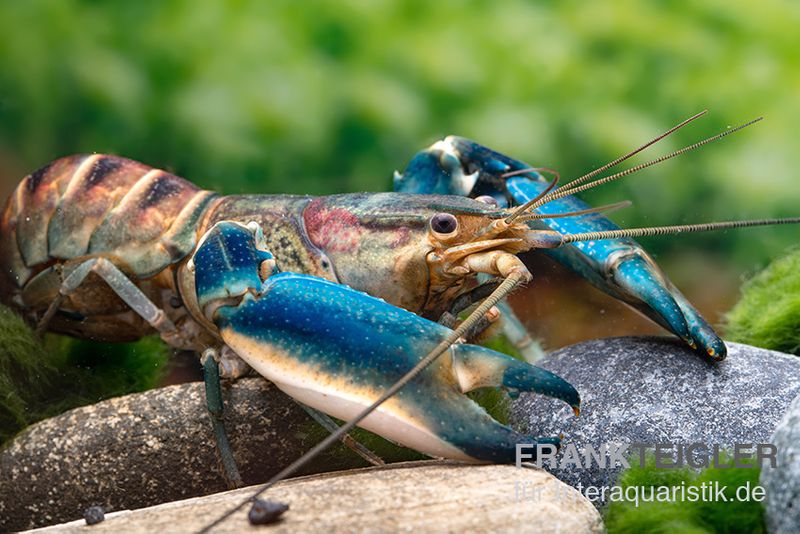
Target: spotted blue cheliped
{"x": 337, "y": 350}
{"x": 619, "y": 267}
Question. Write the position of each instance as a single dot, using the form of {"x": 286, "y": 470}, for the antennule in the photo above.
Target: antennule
{"x": 573, "y": 190}
{"x": 600, "y": 209}
{"x": 677, "y": 229}
{"x": 523, "y": 208}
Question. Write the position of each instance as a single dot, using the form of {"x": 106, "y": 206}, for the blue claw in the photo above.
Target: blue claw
{"x": 619, "y": 267}
{"x": 230, "y": 259}
{"x": 477, "y": 367}
{"x": 639, "y": 285}
{"x": 702, "y": 333}
{"x": 337, "y": 350}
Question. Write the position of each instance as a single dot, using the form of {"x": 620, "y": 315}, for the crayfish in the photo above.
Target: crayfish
{"x": 334, "y": 298}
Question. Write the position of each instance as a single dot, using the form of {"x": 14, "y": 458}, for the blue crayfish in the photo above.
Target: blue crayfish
{"x": 106, "y": 248}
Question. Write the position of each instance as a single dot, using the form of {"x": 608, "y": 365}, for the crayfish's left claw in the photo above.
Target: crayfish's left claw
{"x": 337, "y": 350}
{"x": 640, "y": 283}
{"x": 476, "y": 367}
{"x": 702, "y": 332}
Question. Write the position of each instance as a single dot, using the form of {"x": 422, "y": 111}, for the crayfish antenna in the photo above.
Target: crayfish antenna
{"x": 585, "y": 177}
{"x": 523, "y": 208}
{"x": 676, "y": 229}
{"x": 563, "y": 192}
{"x": 600, "y": 209}
{"x": 569, "y": 185}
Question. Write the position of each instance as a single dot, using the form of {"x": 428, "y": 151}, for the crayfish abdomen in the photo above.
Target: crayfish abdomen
{"x": 78, "y": 207}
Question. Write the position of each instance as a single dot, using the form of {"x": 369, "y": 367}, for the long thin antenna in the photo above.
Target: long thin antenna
{"x": 620, "y": 159}
{"x": 573, "y": 190}
{"x": 518, "y": 211}
{"x": 600, "y": 209}
{"x": 676, "y": 229}
{"x": 506, "y": 287}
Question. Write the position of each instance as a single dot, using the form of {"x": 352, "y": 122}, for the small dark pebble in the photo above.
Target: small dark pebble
{"x": 265, "y": 512}
{"x": 94, "y": 515}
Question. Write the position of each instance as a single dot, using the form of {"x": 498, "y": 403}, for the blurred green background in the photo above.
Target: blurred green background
{"x": 332, "y": 96}
{"x": 321, "y": 97}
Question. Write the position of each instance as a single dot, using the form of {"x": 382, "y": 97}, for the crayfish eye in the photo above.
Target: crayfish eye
{"x": 486, "y": 199}
{"x": 444, "y": 224}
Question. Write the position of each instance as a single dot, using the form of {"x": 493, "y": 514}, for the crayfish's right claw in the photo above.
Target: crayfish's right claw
{"x": 644, "y": 287}
{"x": 227, "y": 269}
{"x": 472, "y": 431}
{"x": 621, "y": 268}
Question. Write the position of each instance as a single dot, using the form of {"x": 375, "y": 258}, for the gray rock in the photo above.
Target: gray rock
{"x": 655, "y": 390}
{"x": 782, "y": 484}
{"x": 148, "y": 448}
{"x": 411, "y": 497}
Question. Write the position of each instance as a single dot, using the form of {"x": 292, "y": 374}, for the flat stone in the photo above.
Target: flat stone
{"x": 148, "y": 448}
{"x": 782, "y": 484}
{"x": 410, "y": 497}
{"x": 655, "y": 390}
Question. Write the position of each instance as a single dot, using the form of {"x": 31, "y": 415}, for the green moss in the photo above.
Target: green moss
{"x": 685, "y": 516}
{"x": 731, "y": 516}
{"x": 768, "y": 313}
{"x": 93, "y": 371}
{"x": 42, "y": 379}
{"x": 495, "y": 400}
{"x": 649, "y": 475}
{"x": 654, "y": 518}
{"x": 500, "y": 343}
{"x": 23, "y": 371}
